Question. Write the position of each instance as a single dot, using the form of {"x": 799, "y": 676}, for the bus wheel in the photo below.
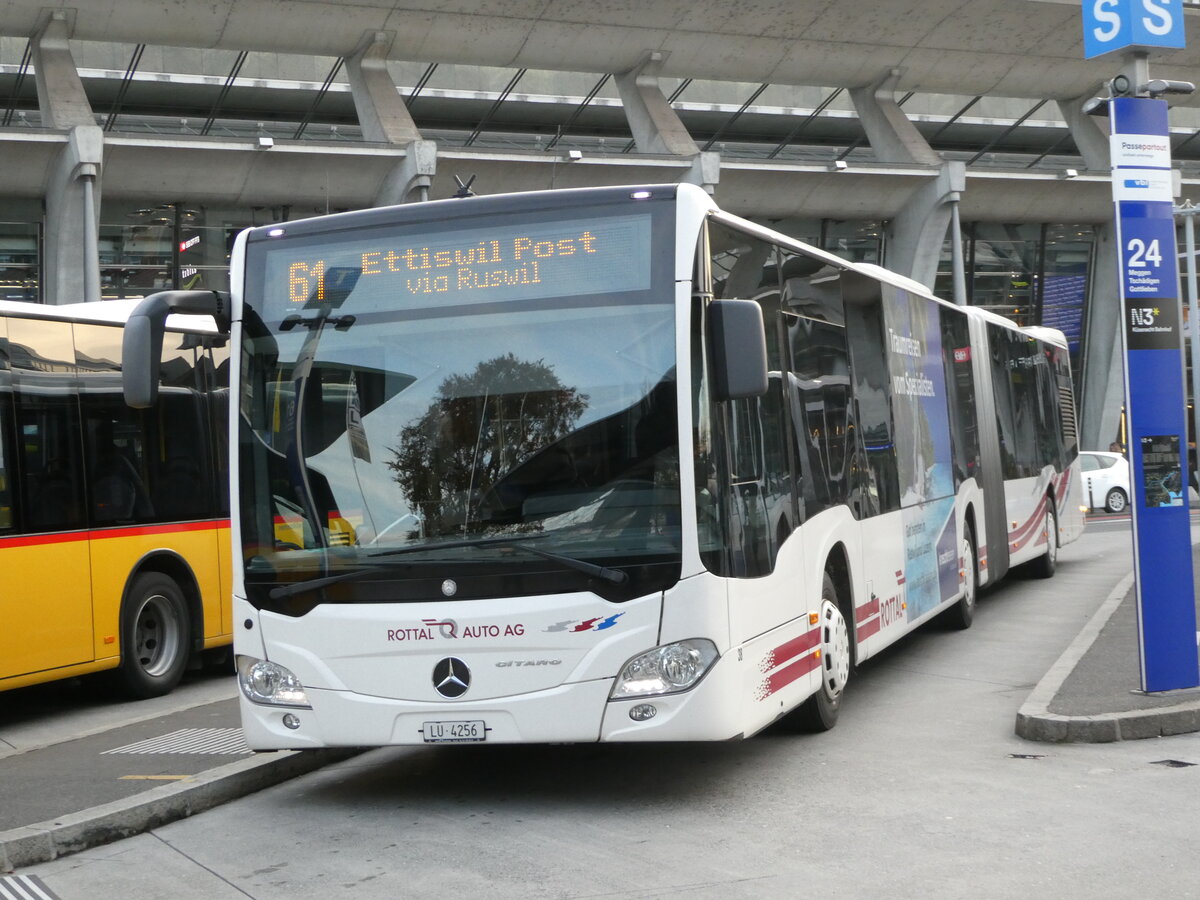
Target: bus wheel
{"x": 1044, "y": 565}
{"x": 820, "y": 711}
{"x": 155, "y": 636}
{"x": 962, "y": 614}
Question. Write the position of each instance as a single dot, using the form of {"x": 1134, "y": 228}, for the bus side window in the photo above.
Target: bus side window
{"x": 47, "y": 418}
{"x": 960, "y": 389}
{"x": 6, "y": 503}
{"x": 818, "y": 380}
{"x": 880, "y": 482}
{"x": 7, "y": 519}
{"x": 761, "y": 499}
{"x": 218, "y": 414}
{"x": 116, "y": 447}
{"x": 1066, "y": 406}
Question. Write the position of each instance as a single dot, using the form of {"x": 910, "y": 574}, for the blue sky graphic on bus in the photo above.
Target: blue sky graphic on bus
{"x": 930, "y": 556}
{"x": 923, "y": 451}
{"x": 922, "y": 422}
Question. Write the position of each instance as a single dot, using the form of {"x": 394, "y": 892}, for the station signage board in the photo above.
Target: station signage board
{"x": 1154, "y": 392}
{"x": 1118, "y": 24}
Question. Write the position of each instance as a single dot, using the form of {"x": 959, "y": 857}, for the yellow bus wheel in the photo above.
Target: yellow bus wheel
{"x": 155, "y": 635}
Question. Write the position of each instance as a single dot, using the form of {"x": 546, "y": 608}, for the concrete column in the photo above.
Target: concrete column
{"x": 1102, "y": 380}
{"x": 71, "y": 272}
{"x": 1090, "y": 136}
{"x": 657, "y": 128}
{"x": 705, "y": 171}
{"x": 916, "y": 235}
{"x": 414, "y": 173}
{"x": 385, "y": 120}
{"x": 892, "y": 136}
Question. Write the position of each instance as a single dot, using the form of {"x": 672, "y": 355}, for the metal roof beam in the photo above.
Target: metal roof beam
{"x": 312, "y": 110}
{"x": 22, "y": 71}
{"x": 571, "y": 120}
{"x": 1006, "y": 132}
{"x": 220, "y": 101}
{"x": 737, "y": 115}
{"x": 420, "y": 86}
{"x": 795, "y": 132}
{"x": 508, "y": 89}
{"x": 115, "y": 110}
{"x": 954, "y": 118}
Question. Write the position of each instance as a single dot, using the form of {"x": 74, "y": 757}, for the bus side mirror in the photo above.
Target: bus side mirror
{"x": 141, "y": 348}
{"x": 739, "y": 349}
{"x": 141, "y": 343}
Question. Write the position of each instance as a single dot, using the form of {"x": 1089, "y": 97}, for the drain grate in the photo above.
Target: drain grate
{"x": 216, "y": 741}
{"x": 25, "y": 887}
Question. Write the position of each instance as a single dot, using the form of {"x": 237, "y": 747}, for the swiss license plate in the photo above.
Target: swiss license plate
{"x": 465, "y": 732}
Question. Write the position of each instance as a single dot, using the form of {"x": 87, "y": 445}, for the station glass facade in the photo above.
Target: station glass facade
{"x": 1036, "y": 274}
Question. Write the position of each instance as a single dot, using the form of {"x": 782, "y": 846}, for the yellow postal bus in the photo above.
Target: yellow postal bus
{"x": 114, "y": 522}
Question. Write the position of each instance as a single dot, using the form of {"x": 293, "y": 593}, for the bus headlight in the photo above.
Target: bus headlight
{"x": 668, "y": 669}
{"x": 263, "y": 681}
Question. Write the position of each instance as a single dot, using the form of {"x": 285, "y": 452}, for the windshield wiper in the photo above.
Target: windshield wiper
{"x": 613, "y": 576}
{"x": 313, "y": 584}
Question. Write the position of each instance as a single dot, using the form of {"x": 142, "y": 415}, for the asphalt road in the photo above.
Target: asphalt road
{"x": 922, "y": 790}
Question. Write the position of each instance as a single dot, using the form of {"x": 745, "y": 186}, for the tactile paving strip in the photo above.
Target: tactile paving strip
{"x": 227, "y": 741}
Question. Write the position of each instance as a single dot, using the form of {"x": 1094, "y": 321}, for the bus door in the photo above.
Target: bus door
{"x": 46, "y": 597}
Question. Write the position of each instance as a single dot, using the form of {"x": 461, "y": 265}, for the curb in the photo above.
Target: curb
{"x": 1035, "y": 722}
{"x": 45, "y": 841}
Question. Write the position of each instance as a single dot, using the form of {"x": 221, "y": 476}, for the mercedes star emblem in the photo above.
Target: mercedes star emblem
{"x": 451, "y": 677}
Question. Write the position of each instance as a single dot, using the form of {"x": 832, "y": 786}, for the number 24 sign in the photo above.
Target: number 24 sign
{"x": 1147, "y": 257}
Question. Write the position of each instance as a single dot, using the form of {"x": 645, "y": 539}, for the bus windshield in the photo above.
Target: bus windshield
{"x": 398, "y": 414}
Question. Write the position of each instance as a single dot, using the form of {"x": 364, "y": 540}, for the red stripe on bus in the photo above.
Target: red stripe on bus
{"x": 173, "y": 528}
{"x": 785, "y": 676}
{"x": 796, "y": 646}
{"x": 67, "y": 537}
{"x": 1019, "y": 537}
{"x": 867, "y": 610}
{"x": 866, "y": 629}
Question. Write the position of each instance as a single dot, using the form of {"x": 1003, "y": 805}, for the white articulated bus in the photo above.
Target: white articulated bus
{"x": 606, "y": 465}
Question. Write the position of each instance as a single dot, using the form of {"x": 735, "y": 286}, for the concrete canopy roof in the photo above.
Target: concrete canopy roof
{"x": 1015, "y": 48}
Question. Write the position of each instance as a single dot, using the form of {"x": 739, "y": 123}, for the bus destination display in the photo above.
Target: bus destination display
{"x": 486, "y": 265}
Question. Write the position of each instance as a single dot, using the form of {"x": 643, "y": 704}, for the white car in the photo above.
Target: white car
{"x": 1105, "y": 480}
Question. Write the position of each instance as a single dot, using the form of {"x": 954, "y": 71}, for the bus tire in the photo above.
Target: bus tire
{"x": 820, "y": 711}
{"x": 156, "y": 636}
{"x": 962, "y": 614}
{"x": 1044, "y": 565}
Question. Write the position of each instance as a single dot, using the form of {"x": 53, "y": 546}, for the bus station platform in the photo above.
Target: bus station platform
{"x": 84, "y": 781}
{"x": 1092, "y": 694}
{"x": 91, "y": 779}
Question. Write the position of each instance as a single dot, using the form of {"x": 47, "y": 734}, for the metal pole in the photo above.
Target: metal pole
{"x": 91, "y": 241}
{"x": 956, "y": 256}
{"x": 1189, "y": 234}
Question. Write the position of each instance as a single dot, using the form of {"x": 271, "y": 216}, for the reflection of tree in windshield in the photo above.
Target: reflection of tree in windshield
{"x": 479, "y": 427}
